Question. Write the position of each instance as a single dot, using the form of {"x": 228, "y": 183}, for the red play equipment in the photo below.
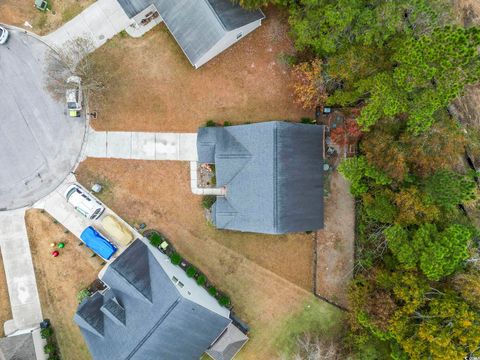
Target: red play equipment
{"x": 55, "y": 253}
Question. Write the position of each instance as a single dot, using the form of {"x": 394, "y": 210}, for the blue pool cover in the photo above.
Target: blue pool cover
{"x": 98, "y": 243}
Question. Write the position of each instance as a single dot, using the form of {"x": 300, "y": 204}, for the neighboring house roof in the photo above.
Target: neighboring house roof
{"x": 229, "y": 344}
{"x": 19, "y": 347}
{"x": 273, "y": 174}
{"x": 143, "y": 315}
{"x": 196, "y": 25}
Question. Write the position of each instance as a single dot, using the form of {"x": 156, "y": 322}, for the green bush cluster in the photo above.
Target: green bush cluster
{"x": 201, "y": 280}
{"x": 156, "y": 239}
{"x": 175, "y": 258}
{"x": 191, "y": 271}
{"x": 83, "y": 294}
{"x": 208, "y": 201}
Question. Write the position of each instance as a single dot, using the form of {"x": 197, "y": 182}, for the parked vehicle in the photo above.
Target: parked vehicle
{"x": 116, "y": 230}
{"x": 83, "y": 202}
{"x": 97, "y": 243}
{"x": 3, "y": 35}
{"x": 74, "y": 96}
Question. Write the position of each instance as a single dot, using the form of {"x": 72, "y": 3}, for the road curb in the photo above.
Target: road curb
{"x": 30, "y": 33}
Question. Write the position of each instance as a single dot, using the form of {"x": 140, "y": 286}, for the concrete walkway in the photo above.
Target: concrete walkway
{"x": 99, "y": 22}
{"x": 21, "y": 283}
{"x": 142, "y": 145}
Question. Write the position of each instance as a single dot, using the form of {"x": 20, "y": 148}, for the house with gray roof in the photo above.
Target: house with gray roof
{"x": 202, "y": 28}
{"x": 271, "y": 174}
{"x": 17, "y": 347}
{"x": 151, "y": 310}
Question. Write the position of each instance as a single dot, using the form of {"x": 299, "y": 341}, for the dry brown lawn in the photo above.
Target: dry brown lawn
{"x": 59, "y": 280}
{"x": 5, "y": 310}
{"x": 252, "y": 268}
{"x": 153, "y": 87}
{"x": 158, "y": 194}
{"x": 17, "y": 12}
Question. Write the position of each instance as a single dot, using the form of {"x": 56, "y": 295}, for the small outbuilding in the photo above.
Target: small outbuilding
{"x": 202, "y": 28}
{"x": 271, "y": 173}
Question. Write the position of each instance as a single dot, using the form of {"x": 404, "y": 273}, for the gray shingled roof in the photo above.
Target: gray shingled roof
{"x": 273, "y": 174}
{"x": 196, "y": 25}
{"x": 19, "y": 347}
{"x": 123, "y": 323}
{"x": 229, "y": 344}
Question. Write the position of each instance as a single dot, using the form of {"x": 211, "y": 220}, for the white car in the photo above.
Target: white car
{"x": 83, "y": 202}
{"x": 3, "y": 35}
{"x": 74, "y": 94}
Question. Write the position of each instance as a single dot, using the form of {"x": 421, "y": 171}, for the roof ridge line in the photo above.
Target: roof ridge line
{"x": 154, "y": 328}
{"x": 133, "y": 286}
{"x": 216, "y": 15}
{"x": 275, "y": 179}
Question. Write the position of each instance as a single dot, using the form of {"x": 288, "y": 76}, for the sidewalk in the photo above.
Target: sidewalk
{"x": 21, "y": 282}
{"x": 142, "y": 145}
{"x": 99, "y": 22}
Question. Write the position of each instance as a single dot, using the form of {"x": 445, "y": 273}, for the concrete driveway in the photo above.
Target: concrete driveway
{"x": 99, "y": 22}
{"x": 39, "y": 144}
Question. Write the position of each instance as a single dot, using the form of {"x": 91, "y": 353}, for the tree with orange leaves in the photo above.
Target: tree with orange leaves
{"x": 309, "y": 87}
{"x": 346, "y": 135}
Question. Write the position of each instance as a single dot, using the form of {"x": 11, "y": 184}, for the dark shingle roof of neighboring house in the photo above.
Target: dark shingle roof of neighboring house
{"x": 273, "y": 174}
{"x": 143, "y": 316}
{"x": 196, "y": 25}
{"x": 228, "y": 345}
{"x": 19, "y": 347}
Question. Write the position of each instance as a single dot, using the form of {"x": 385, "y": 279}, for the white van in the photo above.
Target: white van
{"x": 83, "y": 202}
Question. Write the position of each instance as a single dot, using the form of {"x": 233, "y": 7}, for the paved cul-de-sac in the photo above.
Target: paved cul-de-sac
{"x": 39, "y": 143}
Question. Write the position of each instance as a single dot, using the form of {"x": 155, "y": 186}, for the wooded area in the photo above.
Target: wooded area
{"x": 417, "y": 284}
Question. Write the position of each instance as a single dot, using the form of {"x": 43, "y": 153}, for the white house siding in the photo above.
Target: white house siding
{"x": 228, "y": 40}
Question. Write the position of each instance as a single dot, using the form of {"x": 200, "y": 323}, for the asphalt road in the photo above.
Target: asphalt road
{"x": 39, "y": 143}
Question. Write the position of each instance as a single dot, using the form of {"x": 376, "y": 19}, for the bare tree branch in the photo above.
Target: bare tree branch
{"x": 74, "y": 59}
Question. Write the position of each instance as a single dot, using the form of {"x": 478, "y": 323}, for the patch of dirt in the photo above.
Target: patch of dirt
{"x": 467, "y": 107}
{"x": 5, "y": 309}
{"x": 17, "y": 12}
{"x": 335, "y": 250}
{"x": 467, "y": 12}
{"x": 153, "y": 87}
{"x": 60, "y": 279}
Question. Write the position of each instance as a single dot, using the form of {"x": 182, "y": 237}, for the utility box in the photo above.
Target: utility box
{"x": 41, "y": 4}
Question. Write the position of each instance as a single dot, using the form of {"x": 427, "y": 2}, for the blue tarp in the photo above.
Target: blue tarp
{"x": 98, "y": 243}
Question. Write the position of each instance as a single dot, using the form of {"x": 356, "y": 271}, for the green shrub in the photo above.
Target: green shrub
{"x": 227, "y": 123}
{"x": 53, "y": 357}
{"x": 208, "y": 201}
{"x": 46, "y": 333}
{"x": 287, "y": 59}
{"x": 191, "y": 271}
{"x": 175, "y": 258}
{"x": 49, "y": 349}
{"x": 224, "y": 300}
{"x": 306, "y": 120}
{"x": 201, "y": 280}
{"x": 155, "y": 239}
{"x": 210, "y": 123}
{"x": 212, "y": 290}
{"x": 82, "y": 294}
